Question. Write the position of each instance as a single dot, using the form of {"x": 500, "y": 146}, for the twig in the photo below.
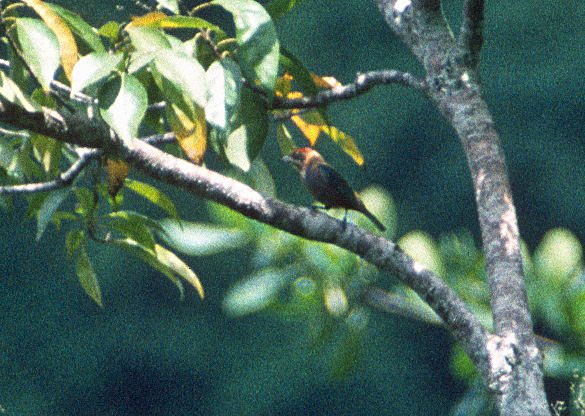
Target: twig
{"x": 64, "y": 179}
{"x": 362, "y": 83}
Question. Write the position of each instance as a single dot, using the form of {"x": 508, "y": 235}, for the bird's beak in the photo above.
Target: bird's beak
{"x": 287, "y": 159}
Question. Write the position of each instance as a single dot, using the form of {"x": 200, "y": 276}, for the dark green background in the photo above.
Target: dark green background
{"x": 146, "y": 352}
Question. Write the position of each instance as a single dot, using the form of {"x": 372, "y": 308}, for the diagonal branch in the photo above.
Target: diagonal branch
{"x": 471, "y": 35}
{"x": 300, "y": 221}
{"x": 363, "y": 83}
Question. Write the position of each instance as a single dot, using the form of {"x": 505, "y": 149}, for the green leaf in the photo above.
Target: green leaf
{"x": 300, "y": 73}
{"x": 170, "y": 259}
{"x": 11, "y": 91}
{"x": 255, "y": 292}
{"x": 92, "y": 68}
{"x": 246, "y": 141}
{"x": 285, "y": 140}
{"x": 85, "y": 202}
{"x": 87, "y": 277}
{"x": 73, "y": 241}
{"x": 133, "y": 225}
{"x": 149, "y": 257}
{"x": 123, "y": 103}
{"x": 200, "y": 239}
{"x": 278, "y": 8}
{"x": 40, "y": 49}
{"x": 185, "y": 73}
{"x": 171, "y": 5}
{"x": 79, "y": 27}
{"x": 224, "y": 96}
{"x": 147, "y": 41}
{"x": 164, "y": 261}
{"x": 110, "y": 30}
{"x": 48, "y": 208}
{"x": 154, "y": 195}
{"x": 258, "y": 41}
{"x": 184, "y": 22}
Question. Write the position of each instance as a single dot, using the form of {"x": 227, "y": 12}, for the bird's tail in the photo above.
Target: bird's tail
{"x": 375, "y": 220}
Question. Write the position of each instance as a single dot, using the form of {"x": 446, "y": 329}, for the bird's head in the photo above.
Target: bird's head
{"x": 302, "y": 156}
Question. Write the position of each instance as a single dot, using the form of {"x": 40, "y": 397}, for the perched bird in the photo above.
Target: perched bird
{"x": 325, "y": 184}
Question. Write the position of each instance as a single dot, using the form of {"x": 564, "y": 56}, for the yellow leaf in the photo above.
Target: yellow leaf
{"x": 346, "y": 142}
{"x": 67, "y": 45}
{"x": 325, "y": 82}
{"x": 310, "y": 123}
{"x": 117, "y": 172}
{"x": 149, "y": 19}
{"x": 310, "y": 131}
{"x": 191, "y": 131}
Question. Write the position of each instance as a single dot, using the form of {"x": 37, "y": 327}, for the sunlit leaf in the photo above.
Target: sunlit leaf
{"x": 153, "y": 195}
{"x": 10, "y": 91}
{"x": 93, "y": 68}
{"x": 146, "y": 39}
{"x": 258, "y": 41}
{"x": 171, "y": 5}
{"x": 169, "y": 259}
{"x": 87, "y": 277}
{"x": 123, "y": 101}
{"x": 224, "y": 78}
{"x": 147, "y": 19}
{"x": 310, "y": 130}
{"x": 110, "y": 30}
{"x": 162, "y": 21}
{"x": 201, "y": 239}
{"x": 79, "y": 27}
{"x": 67, "y": 45}
{"x": 346, "y": 142}
{"x": 40, "y": 49}
{"x": 325, "y": 82}
{"x": 185, "y": 73}
{"x": 255, "y": 292}
{"x": 50, "y": 205}
{"x": 165, "y": 261}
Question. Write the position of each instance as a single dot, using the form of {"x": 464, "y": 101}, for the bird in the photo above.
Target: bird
{"x": 326, "y": 185}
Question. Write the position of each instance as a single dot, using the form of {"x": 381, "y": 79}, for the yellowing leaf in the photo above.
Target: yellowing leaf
{"x": 117, "y": 173}
{"x": 326, "y": 83}
{"x": 191, "y": 131}
{"x": 149, "y": 19}
{"x": 346, "y": 142}
{"x": 310, "y": 131}
{"x": 67, "y": 45}
{"x": 310, "y": 123}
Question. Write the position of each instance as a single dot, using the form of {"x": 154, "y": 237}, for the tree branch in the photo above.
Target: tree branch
{"x": 363, "y": 83}
{"x": 452, "y": 87}
{"x": 300, "y": 221}
{"x": 471, "y": 35}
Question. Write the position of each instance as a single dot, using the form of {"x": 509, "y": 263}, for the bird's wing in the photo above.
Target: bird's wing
{"x": 338, "y": 188}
